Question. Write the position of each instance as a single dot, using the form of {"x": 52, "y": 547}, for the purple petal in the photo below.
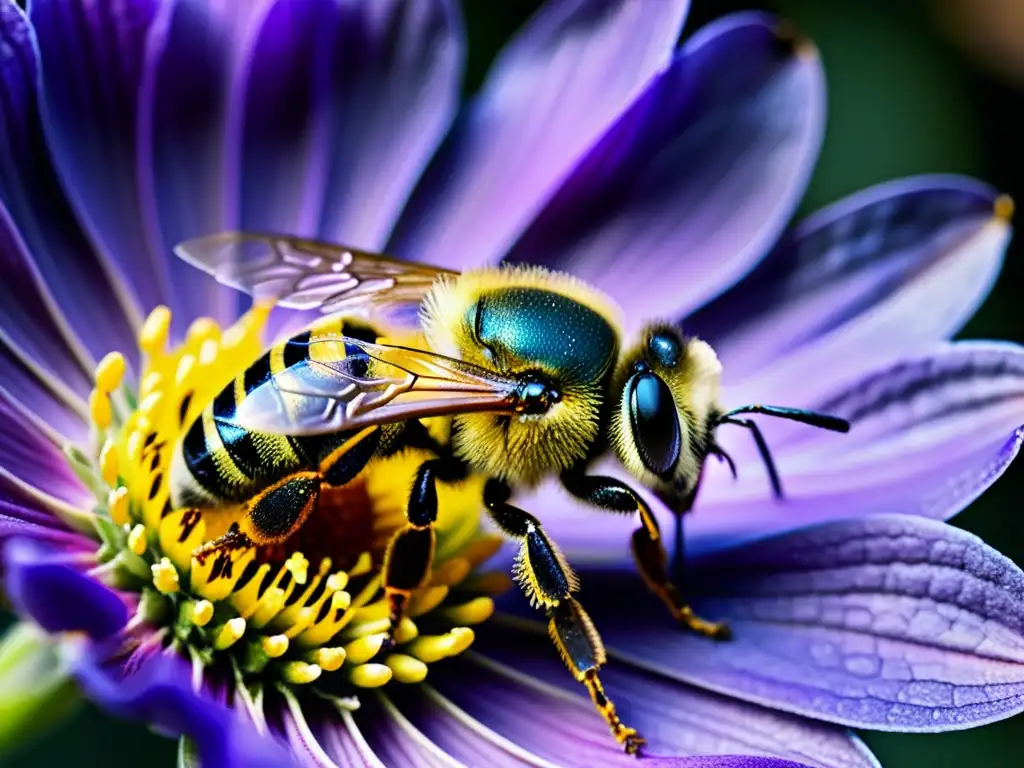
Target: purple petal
{"x": 44, "y": 587}
{"x": 551, "y": 93}
{"x": 93, "y": 55}
{"x": 677, "y": 719}
{"x": 159, "y": 694}
{"x": 187, "y": 83}
{"x": 930, "y": 433}
{"x": 17, "y": 520}
{"x": 889, "y": 623}
{"x": 874, "y": 276}
{"x": 27, "y": 456}
{"x": 692, "y": 185}
{"x": 79, "y": 281}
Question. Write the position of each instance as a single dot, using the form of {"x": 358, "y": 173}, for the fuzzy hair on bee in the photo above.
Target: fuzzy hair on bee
{"x": 516, "y": 320}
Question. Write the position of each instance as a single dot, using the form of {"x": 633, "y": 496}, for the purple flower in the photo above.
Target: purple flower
{"x": 666, "y": 178}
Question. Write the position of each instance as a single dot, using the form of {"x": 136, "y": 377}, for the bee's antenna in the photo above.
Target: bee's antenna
{"x": 813, "y": 418}
{"x": 762, "y": 448}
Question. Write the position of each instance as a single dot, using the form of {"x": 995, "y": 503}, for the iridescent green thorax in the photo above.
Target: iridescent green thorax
{"x": 552, "y": 330}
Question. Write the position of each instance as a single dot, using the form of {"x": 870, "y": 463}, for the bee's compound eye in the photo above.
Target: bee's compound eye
{"x": 652, "y": 413}
{"x": 664, "y": 348}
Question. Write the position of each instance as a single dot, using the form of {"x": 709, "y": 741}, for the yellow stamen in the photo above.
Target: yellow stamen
{"x": 298, "y": 566}
{"x": 452, "y": 572}
{"x": 229, "y": 634}
{"x": 137, "y": 540}
{"x": 165, "y": 577}
{"x": 1004, "y": 208}
{"x": 117, "y": 503}
{"x": 432, "y": 648}
{"x": 474, "y": 611}
{"x": 100, "y": 411}
{"x": 362, "y": 566}
{"x": 153, "y": 336}
{"x": 370, "y": 675}
{"x": 365, "y": 648}
{"x": 328, "y": 659}
{"x": 406, "y": 669}
{"x": 108, "y": 463}
{"x": 337, "y": 581}
{"x": 426, "y": 600}
{"x": 202, "y": 329}
{"x": 275, "y": 645}
{"x": 201, "y": 612}
{"x": 109, "y": 372}
{"x": 464, "y": 637}
{"x": 300, "y": 673}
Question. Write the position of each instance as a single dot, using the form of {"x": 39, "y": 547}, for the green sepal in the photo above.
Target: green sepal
{"x": 36, "y": 691}
{"x": 112, "y": 536}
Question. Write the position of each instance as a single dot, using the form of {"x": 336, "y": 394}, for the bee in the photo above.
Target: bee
{"x": 528, "y": 366}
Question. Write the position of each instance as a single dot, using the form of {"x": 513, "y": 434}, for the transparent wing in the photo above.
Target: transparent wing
{"x": 307, "y": 274}
{"x": 345, "y": 383}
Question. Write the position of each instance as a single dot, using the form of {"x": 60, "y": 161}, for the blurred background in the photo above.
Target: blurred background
{"x": 915, "y": 86}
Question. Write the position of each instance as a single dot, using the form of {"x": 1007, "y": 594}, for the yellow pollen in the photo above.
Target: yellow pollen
{"x": 370, "y": 675}
{"x": 328, "y": 659}
{"x": 406, "y": 669}
{"x": 474, "y": 611}
{"x": 151, "y": 382}
{"x": 337, "y": 581}
{"x": 229, "y": 634}
{"x": 110, "y": 372}
{"x": 300, "y": 673}
{"x": 165, "y": 577}
{"x": 201, "y": 612}
{"x": 100, "y": 411}
{"x": 451, "y": 572}
{"x": 150, "y": 409}
{"x": 298, "y": 566}
{"x": 117, "y": 502}
{"x": 1004, "y": 208}
{"x": 108, "y": 463}
{"x": 183, "y": 373}
{"x": 365, "y": 648}
{"x": 427, "y": 600}
{"x": 202, "y": 329}
{"x": 340, "y": 601}
{"x": 464, "y": 637}
{"x": 153, "y": 336}
{"x": 432, "y": 648}
{"x": 275, "y": 645}
{"x": 137, "y": 540}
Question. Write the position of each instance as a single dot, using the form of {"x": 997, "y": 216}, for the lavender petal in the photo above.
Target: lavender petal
{"x": 550, "y": 94}
{"x": 891, "y": 623}
{"x": 691, "y": 186}
{"x": 876, "y": 275}
{"x": 159, "y": 694}
{"x": 930, "y": 433}
{"x": 45, "y": 588}
{"x": 83, "y": 285}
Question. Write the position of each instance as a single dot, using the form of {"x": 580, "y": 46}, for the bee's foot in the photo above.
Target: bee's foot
{"x": 631, "y": 741}
{"x": 716, "y": 630}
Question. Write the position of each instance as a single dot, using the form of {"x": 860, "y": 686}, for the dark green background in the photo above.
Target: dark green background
{"x": 902, "y": 101}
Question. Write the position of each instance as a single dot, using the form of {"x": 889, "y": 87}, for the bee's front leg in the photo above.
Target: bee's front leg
{"x": 549, "y": 583}
{"x": 648, "y": 545}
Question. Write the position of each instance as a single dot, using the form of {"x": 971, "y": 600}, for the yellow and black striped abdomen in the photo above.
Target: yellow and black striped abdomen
{"x": 219, "y": 461}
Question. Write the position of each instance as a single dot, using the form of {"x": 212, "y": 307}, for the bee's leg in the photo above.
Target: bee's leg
{"x": 272, "y": 515}
{"x": 411, "y": 551}
{"x": 549, "y": 582}
{"x": 647, "y": 544}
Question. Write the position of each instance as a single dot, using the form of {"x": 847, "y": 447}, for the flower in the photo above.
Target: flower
{"x": 664, "y": 177}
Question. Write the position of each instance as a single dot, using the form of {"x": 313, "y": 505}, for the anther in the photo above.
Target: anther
{"x": 110, "y": 372}
{"x": 229, "y": 634}
{"x": 153, "y": 336}
{"x": 464, "y": 637}
{"x": 337, "y": 581}
{"x": 165, "y": 576}
{"x": 433, "y": 648}
{"x": 117, "y": 503}
{"x": 100, "y": 411}
{"x": 1004, "y": 208}
{"x": 406, "y": 669}
{"x": 300, "y": 673}
{"x": 298, "y": 566}
{"x": 202, "y": 329}
{"x": 137, "y": 540}
{"x": 475, "y": 611}
{"x": 275, "y": 645}
{"x": 370, "y": 675}
{"x": 328, "y": 659}
{"x": 201, "y": 612}
{"x": 108, "y": 463}
{"x": 365, "y": 648}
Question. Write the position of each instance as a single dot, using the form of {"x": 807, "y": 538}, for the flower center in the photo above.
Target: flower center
{"x": 308, "y": 610}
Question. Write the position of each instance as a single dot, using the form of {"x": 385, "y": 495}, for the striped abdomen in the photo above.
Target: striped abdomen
{"x": 218, "y": 461}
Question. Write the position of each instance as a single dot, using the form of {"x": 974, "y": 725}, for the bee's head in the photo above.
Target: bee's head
{"x": 668, "y": 391}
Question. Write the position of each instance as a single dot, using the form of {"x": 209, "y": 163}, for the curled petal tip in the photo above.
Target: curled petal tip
{"x": 794, "y": 43}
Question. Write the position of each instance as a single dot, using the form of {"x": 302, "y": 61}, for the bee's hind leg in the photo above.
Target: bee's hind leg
{"x": 647, "y": 543}
{"x": 549, "y": 582}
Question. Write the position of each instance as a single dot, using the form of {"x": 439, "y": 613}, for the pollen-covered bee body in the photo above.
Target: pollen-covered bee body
{"x": 532, "y": 324}
{"x": 221, "y": 461}
{"x": 528, "y": 366}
